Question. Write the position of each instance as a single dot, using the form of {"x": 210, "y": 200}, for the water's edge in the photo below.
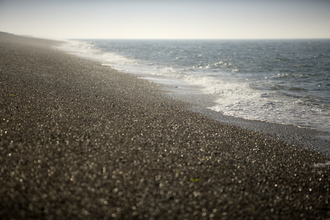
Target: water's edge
{"x": 311, "y": 139}
{"x": 307, "y": 138}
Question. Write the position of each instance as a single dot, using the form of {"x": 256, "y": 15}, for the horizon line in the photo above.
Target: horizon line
{"x": 102, "y": 38}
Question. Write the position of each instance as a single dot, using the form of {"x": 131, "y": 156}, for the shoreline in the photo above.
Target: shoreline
{"x": 81, "y": 140}
{"x": 314, "y": 140}
{"x": 310, "y": 138}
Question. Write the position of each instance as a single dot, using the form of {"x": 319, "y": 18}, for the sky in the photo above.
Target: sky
{"x": 166, "y": 19}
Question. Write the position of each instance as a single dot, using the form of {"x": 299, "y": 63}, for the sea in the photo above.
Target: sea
{"x": 285, "y": 81}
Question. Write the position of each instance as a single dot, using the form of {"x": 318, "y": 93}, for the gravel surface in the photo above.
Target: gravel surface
{"x": 79, "y": 140}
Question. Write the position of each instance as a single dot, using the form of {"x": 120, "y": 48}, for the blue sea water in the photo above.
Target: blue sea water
{"x": 278, "y": 81}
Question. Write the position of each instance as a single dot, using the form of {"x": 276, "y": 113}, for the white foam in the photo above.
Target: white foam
{"x": 322, "y": 164}
{"x": 241, "y": 100}
{"x": 78, "y": 47}
{"x": 87, "y": 50}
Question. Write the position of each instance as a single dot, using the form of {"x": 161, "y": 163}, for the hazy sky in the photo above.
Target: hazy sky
{"x": 167, "y": 19}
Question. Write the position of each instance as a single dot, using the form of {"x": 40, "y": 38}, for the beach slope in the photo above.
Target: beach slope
{"x": 79, "y": 140}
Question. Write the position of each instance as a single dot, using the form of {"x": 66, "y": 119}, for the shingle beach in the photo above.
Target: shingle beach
{"x": 79, "y": 140}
